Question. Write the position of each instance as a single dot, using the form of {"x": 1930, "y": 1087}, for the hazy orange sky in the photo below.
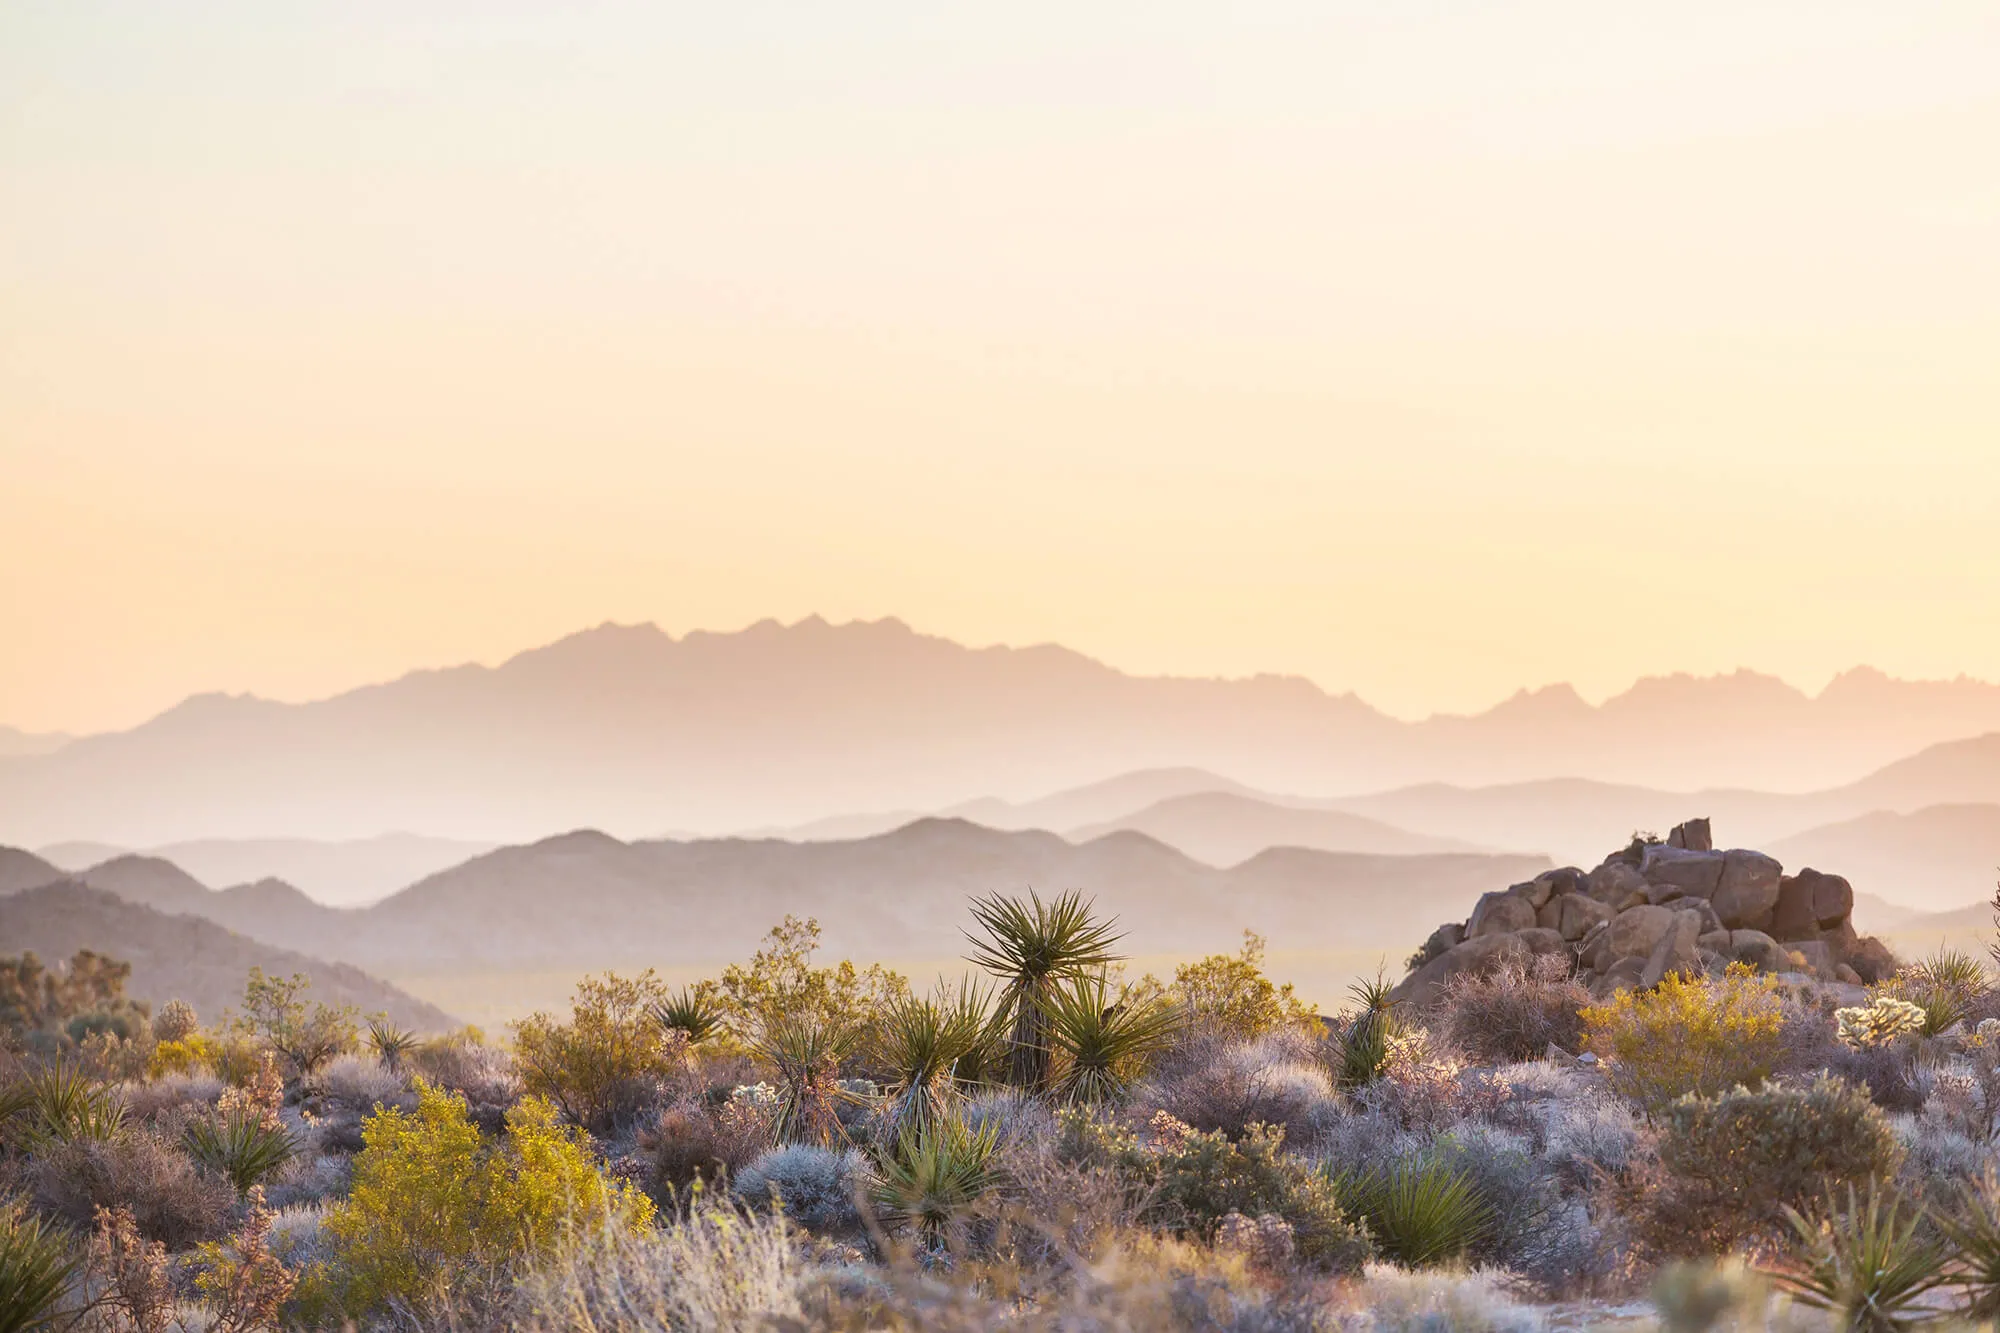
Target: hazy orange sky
{"x": 1425, "y": 350}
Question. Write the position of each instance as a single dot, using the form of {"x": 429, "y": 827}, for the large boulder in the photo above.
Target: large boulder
{"x": 1748, "y": 889}
{"x": 1577, "y": 913}
{"x": 1832, "y": 897}
{"x": 1540, "y": 941}
{"x": 1692, "y": 836}
{"x": 1675, "y": 952}
{"x": 1563, "y": 879}
{"x": 1871, "y": 960}
{"x": 1535, "y": 891}
{"x": 1616, "y": 884}
{"x": 1479, "y": 956}
{"x": 1758, "y": 950}
{"x": 1636, "y": 930}
{"x": 1792, "y": 915}
{"x": 1695, "y": 874}
{"x": 1500, "y": 913}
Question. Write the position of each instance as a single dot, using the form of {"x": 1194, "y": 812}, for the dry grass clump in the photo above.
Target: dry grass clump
{"x": 693, "y": 1141}
{"x": 1515, "y": 1013}
{"x": 1216, "y": 1083}
{"x": 142, "y": 1171}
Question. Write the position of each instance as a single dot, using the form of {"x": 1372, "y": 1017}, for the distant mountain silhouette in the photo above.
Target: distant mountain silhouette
{"x": 185, "y": 957}
{"x": 1935, "y": 859}
{"x": 340, "y": 874}
{"x": 628, "y": 728}
{"x": 24, "y": 870}
{"x": 1223, "y": 828}
{"x": 14, "y": 741}
{"x": 585, "y": 899}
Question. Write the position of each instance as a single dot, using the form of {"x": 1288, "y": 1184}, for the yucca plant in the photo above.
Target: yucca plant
{"x": 36, "y": 1265}
{"x": 1946, "y": 986}
{"x": 928, "y": 1181}
{"x": 239, "y": 1145}
{"x": 62, "y": 1103}
{"x": 1033, "y": 947}
{"x": 390, "y": 1043}
{"x": 1421, "y": 1212}
{"x": 805, "y": 1054}
{"x": 1101, "y": 1045}
{"x": 921, "y": 1043}
{"x": 1973, "y": 1228}
{"x": 691, "y": 1010}
{"x": 1871, "y": 1263}
{"x": 1361, "y": 1046}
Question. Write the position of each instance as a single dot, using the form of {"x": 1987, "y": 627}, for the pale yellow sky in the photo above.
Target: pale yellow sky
{"x": 1425, "y": 350}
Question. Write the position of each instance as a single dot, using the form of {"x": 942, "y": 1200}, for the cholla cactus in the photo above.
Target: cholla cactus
{"x": 1869, "y": 1026}
{"x": 176, "y": 1021}
{"x": 759, "y": 1094}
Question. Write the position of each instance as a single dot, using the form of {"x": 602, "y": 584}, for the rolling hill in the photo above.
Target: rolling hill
{"x": 1934, "y": 859}
{"x": 186, "y": 957}
{"x": 338, "y": 873}
{"x": 1223, "y": 828}
{"x": 632, "y": 729}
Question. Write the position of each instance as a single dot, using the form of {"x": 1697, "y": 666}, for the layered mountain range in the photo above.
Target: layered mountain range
{"x": 634, "y": 730}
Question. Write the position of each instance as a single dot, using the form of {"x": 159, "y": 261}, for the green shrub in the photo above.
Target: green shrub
{"x": 781, "y": 981}
{"x": 36, "y": 1265}
{"x": 609, "y": 1060}
{"x": 1730, "y": 1166}
{"x": 1689, "y": 1035}
{"x": 435, "y": 1211}
{"x": 1363, "y": 1040}
{"x": 1197, "y": 1179}
{"x": 1420, "y": 1211}
{"x": 931, "y": 1180}
{"x": 307, "y": 1035}
{"x": 61, "y": 1103}
{"x": 1228, "y": 995}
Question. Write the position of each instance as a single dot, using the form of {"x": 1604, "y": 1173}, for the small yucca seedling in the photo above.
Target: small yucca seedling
{"x": 922, "y": 1045}
{"x": 1362, "y": 1047}
{"x": 36, "y": 1266}
{"x": 928, "y": 1181}
{"x": 1032, "y": 947}
{"x": 240, "y": 1145}
{"x": 690, "y": 1010}
{"x": 1973, "y": 1228}
{"x": 390, "y": 1043}
{"x": 1101, "y": 1045}
{"x": 1871, "y": 1262}
{"x": 62, "y": 1103}
{"x": 1420, "y": 1211}
{"x": 806, "y": 1053}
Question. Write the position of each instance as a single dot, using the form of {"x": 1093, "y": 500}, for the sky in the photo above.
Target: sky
{"x": 1427, "y": 350}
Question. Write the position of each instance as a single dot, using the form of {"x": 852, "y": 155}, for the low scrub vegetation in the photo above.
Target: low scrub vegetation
{"x": 1048, "y": 1144}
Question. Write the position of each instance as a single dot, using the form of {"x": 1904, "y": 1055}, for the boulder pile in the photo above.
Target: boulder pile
{"x": 1656, "y": 907}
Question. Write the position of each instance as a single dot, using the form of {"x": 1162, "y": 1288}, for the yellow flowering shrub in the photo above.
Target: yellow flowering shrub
{"x": 1695, "y": 1035}
{"x": 192, "y": 1054}
{"x": 435, "y": 1208}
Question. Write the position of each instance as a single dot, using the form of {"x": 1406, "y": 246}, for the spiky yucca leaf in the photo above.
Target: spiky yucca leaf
{"x": 693, "y": 1010}
{"x": 1973, "y": 1228}
{"x": 1361, "y": 1044}
{"x": 36, "y": 1265}
{"x": 1031, "y": 947}
{"x": 929, "y": 1181}
{"x": 63, "y": 1104}
{"x": 805, "y": 1053}
{"x": 1421, "y": 1212}
{"x": 1102, "y": 1045}
{"x": 389, "y": 1042}
{"x": 1870, "y": 1262}
{"x": 239, "y": 1145}
{"x": 921, "y": 1043}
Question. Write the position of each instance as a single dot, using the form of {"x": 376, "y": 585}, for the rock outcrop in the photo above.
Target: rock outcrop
{"x": 1655, "y": 907}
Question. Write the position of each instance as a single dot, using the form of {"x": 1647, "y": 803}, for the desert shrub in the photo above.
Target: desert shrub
{"x": 1587, "y": 1138}
{"x": 1421, "y": 1210}
{"x": 1033, "y": 948}
{"x": 463, "y": 1063}
{"x": 693, "y": 1141}
{"x": 1016, "y": 1117}
{"x": 126, "y": 1279}
{"x": 610, "y": 1060}
{"x": 919, "y": 1045}
{"x": 61, "y": 1102}
{"x": 189, "y": 1056}
{"x": 1689, "y": 1035}
{"x": 141, "y": 1170}
{"x": 1515, "y": 1013}
{"x": 1729, "y": 1166}
{"x": 171, "y": 1095}
{"x": 1228, "y": 996}
{"x": 306, "y": 1034}
{"x": 176, "y": 1021}
{"x": 243, "y": 1284}
{"x": 780, "y": 980}
{"x": 814, "y": 1185}
{"x": 52, "y": 1011}
{"x": 435, "y": 1210}
{"x": 1432, "y": 1095}
{"x": 1214, "y": 1084}
{"x": 351, "y": 1083}
{"x": 714, "y": 1270}
{"x": 309, "y": 1179}
{"x": 1197, "y": 1179}
{"x": 36, "y": 1265}
{"x": 1392, "y": 1300}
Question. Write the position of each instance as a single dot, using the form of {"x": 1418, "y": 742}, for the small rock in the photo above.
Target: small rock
{"x": 1693, "y": 836}
{"x": 1577, "y": 915}
{"x": 1613, "y": 882}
